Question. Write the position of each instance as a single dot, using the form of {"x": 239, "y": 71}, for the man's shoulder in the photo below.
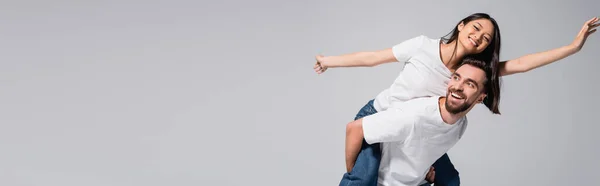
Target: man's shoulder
{"x": 432, "y": 100}
{"x": 421, "y": 104}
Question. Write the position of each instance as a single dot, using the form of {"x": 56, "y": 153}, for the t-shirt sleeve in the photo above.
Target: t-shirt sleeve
{"x": 405, "y": 50}
{"x": 392, "y": 125}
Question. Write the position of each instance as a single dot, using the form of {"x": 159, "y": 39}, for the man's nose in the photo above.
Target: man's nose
{"x": 459, "y": 87}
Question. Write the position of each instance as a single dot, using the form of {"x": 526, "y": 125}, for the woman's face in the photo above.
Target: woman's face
{"x": 475, "y": 35}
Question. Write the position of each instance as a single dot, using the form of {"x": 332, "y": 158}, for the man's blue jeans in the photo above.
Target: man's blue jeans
{"x": 366, "y": 167}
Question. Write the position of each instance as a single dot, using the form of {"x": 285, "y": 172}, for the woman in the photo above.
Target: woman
{"x": 427, "y": 65}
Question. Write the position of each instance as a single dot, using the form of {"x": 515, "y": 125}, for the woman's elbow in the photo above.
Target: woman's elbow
{"x": 522, "y": 69}
{"x": 379, "y": 57}
{"x": 370, "y": 64}
{"x": 514, "y": 70}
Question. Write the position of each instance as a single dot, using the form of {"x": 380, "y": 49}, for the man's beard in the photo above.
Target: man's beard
{"x": 458, "y": 108}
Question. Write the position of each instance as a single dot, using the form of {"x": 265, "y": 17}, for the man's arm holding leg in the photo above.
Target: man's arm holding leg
{"x": 386, "y": 126}
{"x": 354, "y": 138}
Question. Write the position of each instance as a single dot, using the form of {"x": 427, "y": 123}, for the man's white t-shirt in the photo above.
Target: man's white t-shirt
{"x": 412, "y": 137}
{"x": 423, "y": 74}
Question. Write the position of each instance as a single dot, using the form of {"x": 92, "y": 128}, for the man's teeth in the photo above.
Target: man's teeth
{"x": 456, "y": 96}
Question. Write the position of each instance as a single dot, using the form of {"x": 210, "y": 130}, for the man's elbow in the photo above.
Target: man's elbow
{"x": 349, "y": 128}
{"x": 354, "y": 129}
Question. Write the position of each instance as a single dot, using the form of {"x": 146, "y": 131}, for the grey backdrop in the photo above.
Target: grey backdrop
{"x": 151, "y": 93}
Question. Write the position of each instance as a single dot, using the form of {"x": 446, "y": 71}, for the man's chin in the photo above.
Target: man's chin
{"x": 455, "y": 108}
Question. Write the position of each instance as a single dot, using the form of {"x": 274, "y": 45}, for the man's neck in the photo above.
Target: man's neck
{"x": 448, "y": 117}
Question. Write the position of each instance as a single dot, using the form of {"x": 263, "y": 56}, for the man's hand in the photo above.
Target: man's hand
{"x": 430, "y": 177}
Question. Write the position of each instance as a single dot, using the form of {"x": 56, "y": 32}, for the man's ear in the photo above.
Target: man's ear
{"x": 481, "y": 98}
{"x": 461, "y": 25}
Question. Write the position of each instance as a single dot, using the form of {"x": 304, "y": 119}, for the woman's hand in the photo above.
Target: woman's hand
{"x": 320, "y": 67}
{"x": 588, "y": 28}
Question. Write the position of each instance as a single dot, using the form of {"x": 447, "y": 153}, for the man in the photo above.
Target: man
{"x": 414, "y": 134}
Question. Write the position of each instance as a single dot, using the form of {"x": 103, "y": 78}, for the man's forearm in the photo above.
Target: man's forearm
{"x": 354, "y": 138}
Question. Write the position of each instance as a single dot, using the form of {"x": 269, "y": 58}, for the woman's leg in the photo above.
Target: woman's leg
{"x": 445, "y": 173}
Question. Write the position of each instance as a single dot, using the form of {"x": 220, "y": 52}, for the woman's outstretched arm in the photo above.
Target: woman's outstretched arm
{"x": 357, "y": 59}
{"x": 536, "y": 60}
